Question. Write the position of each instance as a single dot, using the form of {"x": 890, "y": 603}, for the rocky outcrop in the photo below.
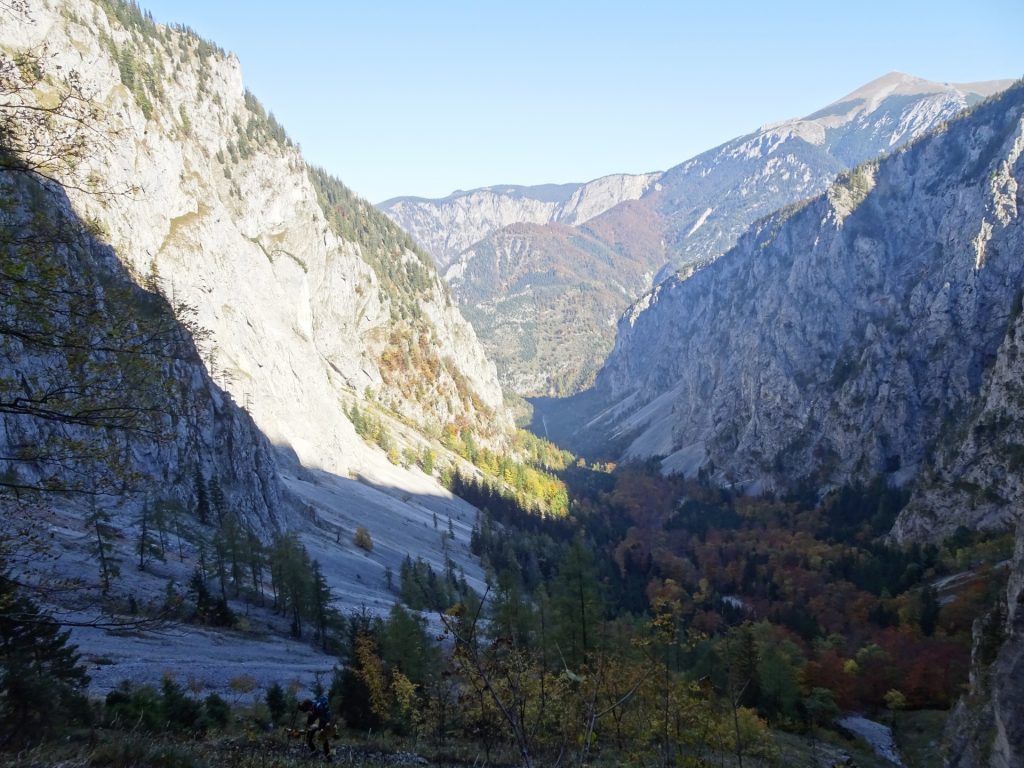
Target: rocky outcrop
{"x": 103, "y": 394}
{"x": 684, "y": 218}
{"x": 845, "y": 338}
{"x": 216, "y": 206}
{"x": 445, "y": 228}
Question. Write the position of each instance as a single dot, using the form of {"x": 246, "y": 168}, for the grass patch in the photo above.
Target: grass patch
{"x": 919, "y": 737}
{"x": 826, "y": 748}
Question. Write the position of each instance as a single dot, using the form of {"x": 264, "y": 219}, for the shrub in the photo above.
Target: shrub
{"x": 277, "y": 703}
{"x": 362, "y": 539}
{"x": 181, "y": 712}
{"x": 217, "y": 710}
{"x": 131, "y": 707}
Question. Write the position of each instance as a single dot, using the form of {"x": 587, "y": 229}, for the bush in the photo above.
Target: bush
{"x": 217, "y": 710}
{"x": 130, "y": 707}
{"x": 277, "y": 703}
{"x": 362, "y": 539}
{"x": 181, "y": 713}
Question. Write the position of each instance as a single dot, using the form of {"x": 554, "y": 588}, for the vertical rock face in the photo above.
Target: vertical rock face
{"x": 214, "y": 204}
{"x": 104, "y": 393}
{"x": 635, "y": 235}
{"x": 844, "y": 339}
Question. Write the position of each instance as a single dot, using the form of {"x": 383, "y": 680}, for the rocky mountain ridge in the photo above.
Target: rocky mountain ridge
{"x": 445, "y": 228}
{"x": 846, "y": 337}
{"x": 227, "y": 218}
{"x": 686, "y": 217}
{"x": 873, "y": 331}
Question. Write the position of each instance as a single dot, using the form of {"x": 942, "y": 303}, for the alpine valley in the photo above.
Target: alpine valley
{"x": 543, "y": 273}
{"x": 258, "y": 443}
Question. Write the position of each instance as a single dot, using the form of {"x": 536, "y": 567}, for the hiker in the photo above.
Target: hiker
{"x": 318, "y": 720}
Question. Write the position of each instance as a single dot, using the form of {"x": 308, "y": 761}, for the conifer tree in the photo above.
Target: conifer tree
{"x": 577, "y": 603}
{"x": 148, "y": 542}
{"x": 103, "y": 532}
{"x": 218, "y": 503}
{"x": 202, "y": 498}
{"x": 321, "y": 604}
{"x": 256, "y": 562}
{"x": 277, "y": 703}
{"x": 41, "y": 680}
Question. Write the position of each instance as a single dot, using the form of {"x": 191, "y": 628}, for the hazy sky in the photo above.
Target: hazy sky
{"x": 422, "y": 98}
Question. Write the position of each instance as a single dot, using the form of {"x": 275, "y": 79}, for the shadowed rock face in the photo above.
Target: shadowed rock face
{"x": 307, "y": 301}
{"x": 225, "y": 215}
{"x": 512, "y": 262}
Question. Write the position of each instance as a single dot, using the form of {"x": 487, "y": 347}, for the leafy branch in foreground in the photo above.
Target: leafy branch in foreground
{"x": 89, "y": 351}
{"x": 49, "y": 124}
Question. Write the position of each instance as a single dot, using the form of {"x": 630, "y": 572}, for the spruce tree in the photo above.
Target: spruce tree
{"x": 577, "y": 603}
{"x": 42, "y": 683}
{"x": 321, "y": 604}
{"x": 202, "y": 498}
{"x": 148, "y": 543}
{"x": 218, "y": 502}
{"x": 102, "y": 533}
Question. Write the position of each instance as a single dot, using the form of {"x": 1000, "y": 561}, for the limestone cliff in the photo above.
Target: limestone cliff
{"x": 512, "y": 281}
{"x": 275, "y": 298}
{"x": 848, "y": 337}
{"x": 103, "y": 395}
{"x": 219, "y": 208}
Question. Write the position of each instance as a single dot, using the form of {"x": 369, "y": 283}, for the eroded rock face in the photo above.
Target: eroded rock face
{"x": 845, "y": 339}
{"x": 218, "y": 208}
{"x": 447, "y": 227}
{"x": 544, "y": 296}
{"x": 873, "y": 331}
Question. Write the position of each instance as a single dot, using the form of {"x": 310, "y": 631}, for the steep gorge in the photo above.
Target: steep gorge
{"x": 511, "y": 280}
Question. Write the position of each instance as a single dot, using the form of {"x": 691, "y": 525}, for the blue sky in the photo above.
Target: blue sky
{"x": 422, "y": 98}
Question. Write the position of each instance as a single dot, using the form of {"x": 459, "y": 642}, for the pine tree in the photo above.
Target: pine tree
{"x": 256, "y": 562}
{"x": 511, "y": 616}
{"x": 577, "y": 603}
{"x": 162, "y": 513}
{"x": 41, "y": 681}
{"x": 103, "y": 532}
{"x": 321, "y": 604}
{"x": 220, "y": 563}
{"x": 148, "y": 544}
{"x": 291, "y": 579}
{"x": 202, "y": 498}
{"x": 218, "y": 502}
{"x": 930, "y": 609}
{"x": 277, "y": 703}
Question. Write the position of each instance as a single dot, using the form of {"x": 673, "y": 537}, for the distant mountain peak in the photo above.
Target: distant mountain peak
{"x": 869, "y": 96}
